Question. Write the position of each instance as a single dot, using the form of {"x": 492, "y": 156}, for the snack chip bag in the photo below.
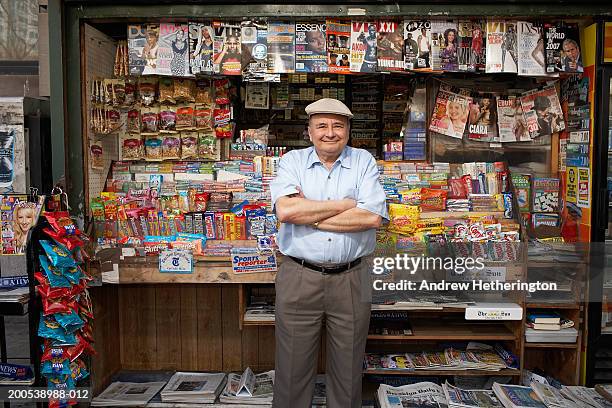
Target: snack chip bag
{"x": 58, "y": 254}
{"x": 49, "y": 328}
{"x": 54, "y": 274}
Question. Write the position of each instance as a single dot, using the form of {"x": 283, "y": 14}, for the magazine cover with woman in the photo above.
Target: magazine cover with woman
{"x": 450, "y": 114}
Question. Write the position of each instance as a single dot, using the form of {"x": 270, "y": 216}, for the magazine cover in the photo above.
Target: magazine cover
{"x": 173, "y": 50}
{"x": 201, "y": 41}
{"x": 482, "y": 125}
{"x": 137, "y": 40}
{"x": 542, "y": 111}
{"x": 227, "y": 48}
{"x": 150, "y": 49}
{"x": 363, "y": 46}
{"x": 450, "y": 114}
{"x": 471, "y": 52}
{"x": 389, "y": 45}
{"x": 502, "y": 54}
{"x": 254, "y": 50}
{"x": 511, "y": 123}
{"x": 310, "y": 47}
{"x": 530, "y": 49}
{"x": 562, "y": 48}
{"x": 444, "y": 44}
{"x": 338, "y": 46}
{"x": 281, "y": 48}
{"x": 417, "y": 44}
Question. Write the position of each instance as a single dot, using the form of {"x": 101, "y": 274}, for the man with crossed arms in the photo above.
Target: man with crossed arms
{"x": 329, "y": 200}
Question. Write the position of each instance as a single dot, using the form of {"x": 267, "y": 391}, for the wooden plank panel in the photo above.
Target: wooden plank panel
{"x": 266, "y": 347}
{"x": 167, "y": 321}
{"x": 209, "y": 330}
{"x": 105, "y": 330}
{"x": 189, "y": 328}
{"x": 250, "y": 348}
{"x": 232, "y": 336}
{"x": 137, "y": 326}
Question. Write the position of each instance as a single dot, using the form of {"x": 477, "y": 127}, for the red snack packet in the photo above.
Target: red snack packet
{"x": 433, "y": 200}
{"x": 457, "y": 188}
{"x": 71, "y": 242}
{"x": 61, "y": 223}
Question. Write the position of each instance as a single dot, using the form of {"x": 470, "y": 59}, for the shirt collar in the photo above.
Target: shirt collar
{"x": 344, "y": 158}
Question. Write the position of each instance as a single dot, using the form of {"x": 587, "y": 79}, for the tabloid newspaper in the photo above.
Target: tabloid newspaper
{"x": 549, "y": 395}
{"x": 471, "y": 52}
{"x": 173, "y": 50}
{"x": 417, "y": 45}
{"x": 338, "y": 46}
{"x": 389, "y": 45}
{"x": 363, "y": 46}
{"x": 420, "y": 395}
{"x": 511, "y": 123}
{"x": 310, "y": 46}
{"x": 562, "y": 48}
{"x": 502, "y": 54}
{"x": 249, "y": 388}
{"x": 458, "y": 398}
{"x": 126, "y": 394}
{"x": 201, "y": 42}
{"x": 254, "y": 39}
{"x": 281, "y": 47}
{"x": 193, "y": 387}
{"x": 138, "y": 38}
{"x": 482, "y": 125}
{"x": 542, "y": 111}
{"x": 444, "y": 45}
{"x": 530, "y": 49}
{"x": 450, "y": 114}
{"x": 227, "y": 48}
{"x": 517, "y": 396}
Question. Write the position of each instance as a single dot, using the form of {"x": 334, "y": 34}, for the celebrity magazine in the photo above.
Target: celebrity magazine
{"x": 471, "y": 52}
{"x": 450, "y": 114}
{"x": 530, "y": 49}
{"x": 173, "y": 50}
{"x": 502, "y": 54}
{"x": 542, "y": 111}
{"x": 482, "y": 125}
{"x": 423, "y": 394}
{"x": 254, "y": 39}
{"x": 338, "y": 34}
{"x": 310, "y": 46}
{"x": 389, "y": 44}
{"x": 562, "y": 49}
{"x": 281, "y": 47}
{"x": 137, "y": 40}
{"x": 201, "y": 41}
{"x": 363, "y": 46}
{"x": 417, "y": 45}
{"x": 227, "y": 48}
{"x": 511, "y": 123}
{"x": 444, "y": 43}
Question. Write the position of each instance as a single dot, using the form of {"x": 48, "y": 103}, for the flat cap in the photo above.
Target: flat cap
{"x": 328, "y": 105}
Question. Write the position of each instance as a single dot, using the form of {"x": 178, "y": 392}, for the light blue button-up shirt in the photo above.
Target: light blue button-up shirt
{"x": 353, "y": 175}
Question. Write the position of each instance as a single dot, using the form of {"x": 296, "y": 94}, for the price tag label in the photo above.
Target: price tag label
{"x": 176, "y": 261}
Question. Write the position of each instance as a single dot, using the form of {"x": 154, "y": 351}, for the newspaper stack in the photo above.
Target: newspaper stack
{"x": 423, "y": 394}
{"x": 517, "y": 396}
{"x": 458, "y": 398}
{"x": 201, "y": 388}
{"x": 584, "y": 397}
{"x": 249, "y": 388}
{"x": 550, "y": 396}
{"x": 320, "y": 396}
{"x": 126, "y": 394}
{"x": 259, "y": 314}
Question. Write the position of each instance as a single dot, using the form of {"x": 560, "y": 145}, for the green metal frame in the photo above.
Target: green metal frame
{"x": 65, "y": 21}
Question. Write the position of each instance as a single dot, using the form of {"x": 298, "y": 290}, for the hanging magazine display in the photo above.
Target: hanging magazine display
{"x": 201, "y": 41}
{"x": 227, "y": 55}
{"x": 173, "y": 50}
{"x": 511, "y": 123}
{"x": 530, "y": 49}
{"x": 562, "y": 48}
{"x": 281, "y": 48}
{"x": 482, "y": 125}
{"x": 363, "y": 46}
{"x": 338, "y": 46}
{"x": 257, "y": 95}
{"x": 389, "y": 44}
{"x": 253, "y": 37}
{"x": 450, "y": 114}
{"x": 502, "y": 54}
{"x": 310, "y": 47}
{"x": 417, "y": 44}
{"x": 137, "y": 41}
{"x": 444, "y": 45}
{"x": 542, "y": 111}
{"x": 471, "y": 53}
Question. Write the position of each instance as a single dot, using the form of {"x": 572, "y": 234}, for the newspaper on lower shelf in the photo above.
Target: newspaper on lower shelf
{"x": 517, "y": 396}
{"x": 420, "y": 395}
{"x": 259, "y": 314}
{"x": 16, "y": 374}
{"x": 584, "y": 397}
{"x": 459, "y": 398}
{"x": 126, "y": 394}
{"x": 550, "y": 395}
{"x": 248, "y": 388}
{"x": 190, "y": 387}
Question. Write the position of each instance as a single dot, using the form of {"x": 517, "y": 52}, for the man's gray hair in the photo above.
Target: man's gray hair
{"x": 569, "y": 41}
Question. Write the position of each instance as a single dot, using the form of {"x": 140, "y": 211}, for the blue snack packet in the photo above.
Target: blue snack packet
{"x": 56, "y": 367}
{"x": 69, "y": 321}
{"x": 60, "y": 382}
{"x": 58, "y": 254}
{"x": 78, "y": 370}
{"x": 73, "y": 274}
{"x": 54, "y": 274}
{"x": 271, "y": 224}
{"x": 49, "y": 328}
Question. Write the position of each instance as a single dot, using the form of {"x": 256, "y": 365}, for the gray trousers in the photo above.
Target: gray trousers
{"x": 303, "y": 299}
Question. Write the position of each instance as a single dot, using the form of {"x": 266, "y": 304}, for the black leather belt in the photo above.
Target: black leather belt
{"x": 327, "y": 269}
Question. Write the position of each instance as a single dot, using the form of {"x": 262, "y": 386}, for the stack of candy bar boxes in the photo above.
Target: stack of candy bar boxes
{"x": 66, "y": 315}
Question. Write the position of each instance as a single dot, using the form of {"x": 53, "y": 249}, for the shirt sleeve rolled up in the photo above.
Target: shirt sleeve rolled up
{"x": 286, "y": 181}
{"x": 371, "y": 196}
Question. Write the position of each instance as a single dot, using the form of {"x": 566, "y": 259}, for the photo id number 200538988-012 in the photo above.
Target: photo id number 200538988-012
{"x": 43, "y": 394}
